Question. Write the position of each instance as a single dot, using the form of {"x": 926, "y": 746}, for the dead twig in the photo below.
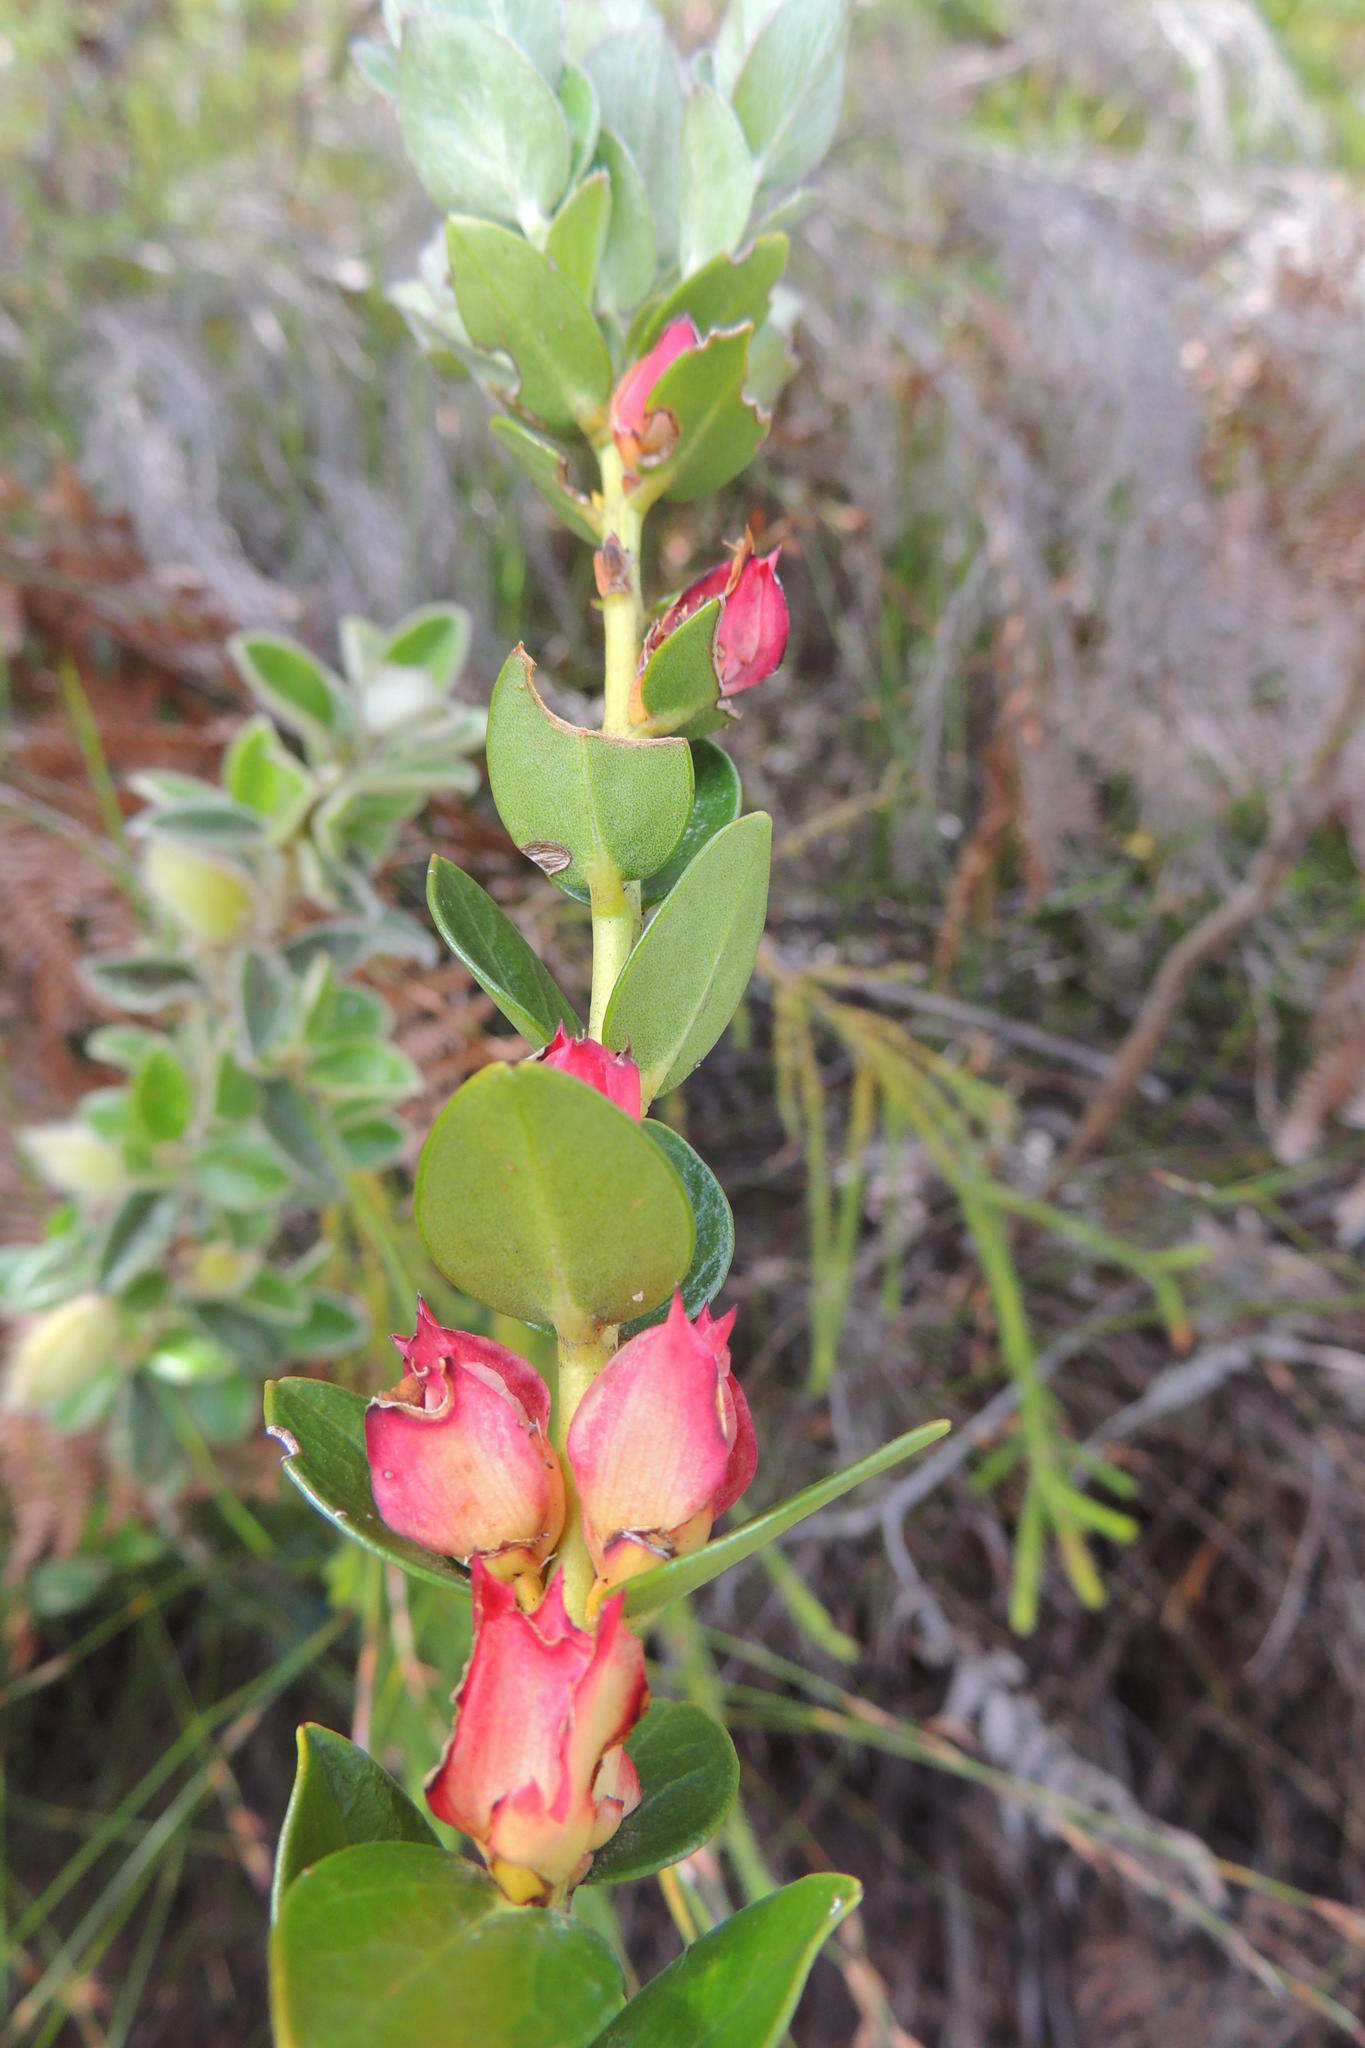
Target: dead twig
{"x": 1298, "y": 812}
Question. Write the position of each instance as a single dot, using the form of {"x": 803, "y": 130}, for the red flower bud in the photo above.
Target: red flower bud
{"x": 751, "y": 634}
{"x": 613, "y": 1074}
{"x": 644, "y": 437}
{"x": 458, "y": 1454}
{"x": 534, "y": 1771}
{"x": 661, "y": 1443}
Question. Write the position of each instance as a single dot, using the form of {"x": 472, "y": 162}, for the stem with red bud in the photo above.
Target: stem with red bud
{"x": 579, "y": 1365}
{"x": 615, "y": 928}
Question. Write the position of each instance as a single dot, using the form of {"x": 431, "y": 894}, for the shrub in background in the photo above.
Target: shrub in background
{"x": 184, "y": 1260}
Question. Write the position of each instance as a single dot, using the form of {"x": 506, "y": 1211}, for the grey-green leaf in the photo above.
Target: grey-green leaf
{"x": 535, "y": 26}
{"x": 435, "y": 639}
{"x": 717, "y": 181}
{"x": 684, "y": 976}
{"x": 138, "y": 1236}
{"x": 485, "y": 133}
{"x": 631, "y": 256}
{"x": 639, "y": 86}
{"x": 297, "y": 689}
{"x": 140, "y": 981}
{"x": 578, "y": 101}
{"x": 790, "y": 91}
{"x": 503, "y": 964}
{"x": 578, "y": 233}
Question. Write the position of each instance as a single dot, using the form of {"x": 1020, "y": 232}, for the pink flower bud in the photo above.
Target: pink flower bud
{"x": 458, "y": 1454}
{"x": 661, "y": 1443}
{"x": 642, "y": 436}
{"x": 534, "y": 1771}
{"x": 751, "y": 634}
{"x": 613, "y": 1074}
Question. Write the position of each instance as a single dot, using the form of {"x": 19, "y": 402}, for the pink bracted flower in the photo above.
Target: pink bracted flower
{"x": 660, "y": 1445}
{"x": 459, "y": 1457}
{"x": 613, "y": 1074}
{"x": 534, "y": 1771}
{"x": 751, "y": 633}
{"x": 644, "y": 437}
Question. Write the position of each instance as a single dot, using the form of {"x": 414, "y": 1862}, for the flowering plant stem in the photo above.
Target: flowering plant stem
{"x": 616, "y": 904}
{"x": 579, "y": 1365}
{"x": 570, "y": 1508}
{"x": 615, "y": 928}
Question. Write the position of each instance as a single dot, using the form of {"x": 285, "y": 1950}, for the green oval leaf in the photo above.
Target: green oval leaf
{"x": 301, "y": 1130}
{"x": 689, "y": 1775}
{"x": 512, "y": 298}
{"x": 680, "y": 678}
{"x": 791, "y": 88}
{"x": 545, "y": 465}
{"x": 653, "y": 1590}
{"x": 333, "y": 1326}
{"x": 435, "y": 639}
{"x": 686, "y": 972}
{"x": 483, "y": 130}
{"x": 581, "y": 803}
{"x": 140, "y": 981}
{"x": 578, "y": 103}
{"x": 322, "y": 1428}
{"x": 220, "y": 825}
{"x": 712, "y": 1220}
{"x": 389, "y": 1944}
{"x": 267, "y": 994}
{"x": 143, "y": 1227}
{"x": 729, "y": 291}
{"x": 364, "y": 1069}
{"x": 738, "y": 1986}
{"x": 241, "y": 1172}
{"x": 719, "y": 429}
{"x": 639, "y": 88}
{"x": 505, "y": 967}
{"x": 578, "y": 233}
{"x": 163, "y": 1101}
{"x": 535, "y": 26}
{"x": 717, "y": 180}
{"x": 295, "y": 688}
{"x": 341, "y": 1796}
{"x": 716, "y": 802}
{"x": 631, "y": 255}
{"x": 540, "y": 1198}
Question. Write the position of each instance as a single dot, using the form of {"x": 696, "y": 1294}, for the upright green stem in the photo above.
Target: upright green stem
{"x": 616, "y": 903}
{"x": 579, "y": 1365}
{"x": 623, "y": 611}
{"x": 615, "y": 928}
